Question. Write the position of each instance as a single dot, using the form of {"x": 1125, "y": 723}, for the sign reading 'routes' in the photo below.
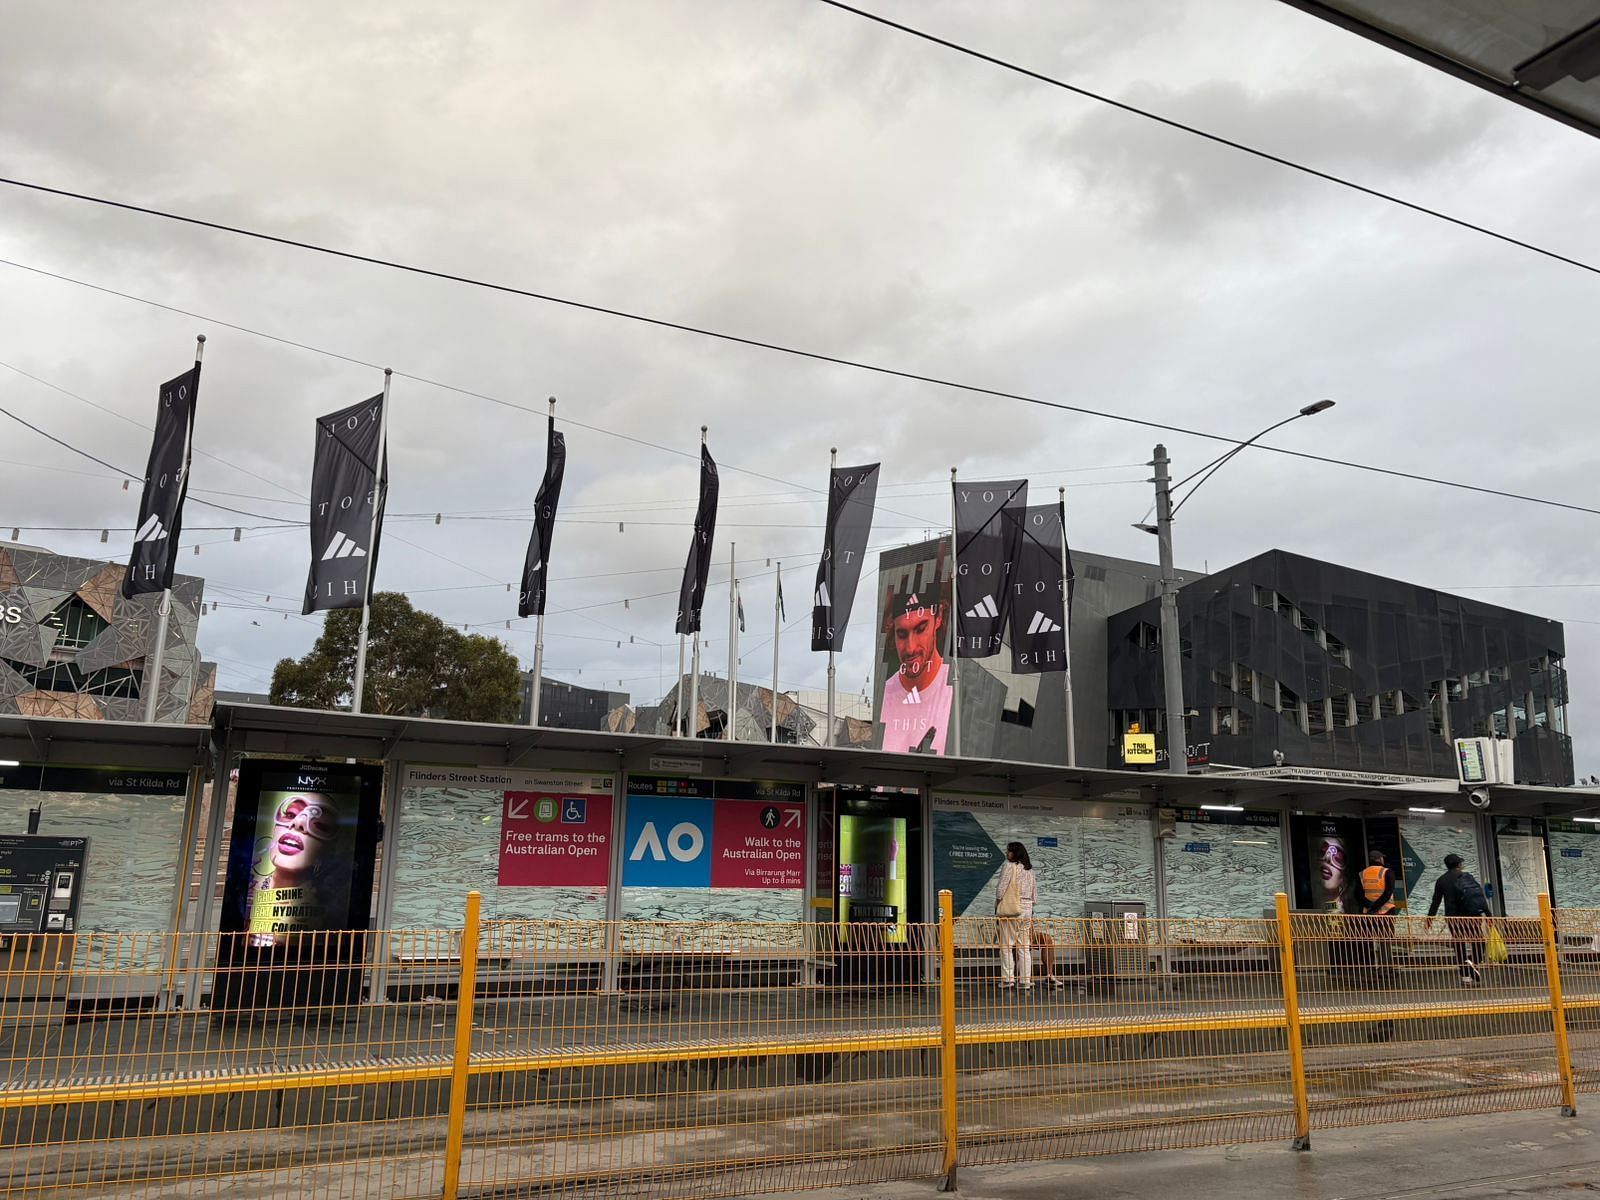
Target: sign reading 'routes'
{"x": 556, "y": 833}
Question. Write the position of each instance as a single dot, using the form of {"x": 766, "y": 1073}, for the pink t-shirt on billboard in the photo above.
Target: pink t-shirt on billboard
{"x": 909, "y": 713}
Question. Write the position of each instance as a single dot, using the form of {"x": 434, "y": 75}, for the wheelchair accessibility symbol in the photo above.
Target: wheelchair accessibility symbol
{"x": 574, "y": 810}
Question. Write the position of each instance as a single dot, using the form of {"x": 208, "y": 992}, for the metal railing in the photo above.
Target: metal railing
{"x": 736, "y": 1058}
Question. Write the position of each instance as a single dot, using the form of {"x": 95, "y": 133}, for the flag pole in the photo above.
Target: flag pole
{"x": 538, "y": 624}
{"x": 777, "y": 632}
{"x": 833, "y": 462}
{"x": 954, "y": 742}
{"x": 678, "y": 692}
{"x": 694, "y": 679}
{"x": 1066, "y": 635}
{"x": 733, "y": 639}
{"x": 380, "y": 464}
{"x": 164, "y": 609}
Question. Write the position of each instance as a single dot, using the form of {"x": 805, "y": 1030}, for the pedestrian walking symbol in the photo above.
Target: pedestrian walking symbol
{"x": 769, "y": 817}
{"x": 574, "y": 810}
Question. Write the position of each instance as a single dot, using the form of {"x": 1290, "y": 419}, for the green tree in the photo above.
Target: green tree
{"x": 416, "y": 666}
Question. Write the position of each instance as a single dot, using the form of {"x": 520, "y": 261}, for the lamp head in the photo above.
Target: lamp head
{"x": 1312, "y": 410}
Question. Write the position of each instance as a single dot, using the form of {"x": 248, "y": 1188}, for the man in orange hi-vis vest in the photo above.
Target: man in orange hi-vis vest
{"x": 1377, "y": 902}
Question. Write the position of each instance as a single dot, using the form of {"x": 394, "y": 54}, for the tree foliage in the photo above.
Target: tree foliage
{"x": 416, "y": 666}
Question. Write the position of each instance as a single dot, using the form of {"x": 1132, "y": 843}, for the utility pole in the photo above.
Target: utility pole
{"x": 1171, "y": 648}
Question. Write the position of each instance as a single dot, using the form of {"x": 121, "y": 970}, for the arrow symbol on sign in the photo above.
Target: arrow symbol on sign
{"x": 791, "y": 818}
{"x": 516, "y": 809}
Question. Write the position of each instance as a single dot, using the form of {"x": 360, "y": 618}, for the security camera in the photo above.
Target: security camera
{"x": 1479, "y": 797}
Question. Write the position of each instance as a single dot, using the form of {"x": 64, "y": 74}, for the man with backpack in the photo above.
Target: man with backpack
{"x": 1465, "y": 910}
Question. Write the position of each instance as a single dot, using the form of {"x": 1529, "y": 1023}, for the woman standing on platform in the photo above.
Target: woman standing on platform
{"x": 1014, "y": 897}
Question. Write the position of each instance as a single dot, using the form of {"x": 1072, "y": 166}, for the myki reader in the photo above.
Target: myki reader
{"x": 41, "y": 884}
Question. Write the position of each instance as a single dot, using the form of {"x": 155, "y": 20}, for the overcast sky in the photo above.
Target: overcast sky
{"x": 788, "y": 172}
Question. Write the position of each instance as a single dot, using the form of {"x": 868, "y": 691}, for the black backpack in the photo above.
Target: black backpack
{"x": 1470, "y": 900}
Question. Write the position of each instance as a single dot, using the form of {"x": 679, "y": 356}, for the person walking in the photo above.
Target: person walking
{"x": 1465, "y": 912}
{"x": 1014, "y": 897}
{"x": 1377, "y": 907}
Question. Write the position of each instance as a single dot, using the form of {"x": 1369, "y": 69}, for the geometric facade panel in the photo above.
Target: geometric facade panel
{"x": 94, "y": 639}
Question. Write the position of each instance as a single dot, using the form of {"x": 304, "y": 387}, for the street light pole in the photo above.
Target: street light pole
{"x": 1171, "y": 650}
{"x": 1171, "y": 646}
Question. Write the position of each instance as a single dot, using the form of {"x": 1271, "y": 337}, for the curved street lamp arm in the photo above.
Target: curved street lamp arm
{"x": 1216, "y": 464}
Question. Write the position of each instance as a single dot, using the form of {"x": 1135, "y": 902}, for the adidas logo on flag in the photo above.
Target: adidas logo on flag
{"x": 152, "y": 530}
{"x": 1042, "y": 624}
{"x": 984, "y": 608}
{"x": 342, "y": 547}
{"x": 822, "y": 600}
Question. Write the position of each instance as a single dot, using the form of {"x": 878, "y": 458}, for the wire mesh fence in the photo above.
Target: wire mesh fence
{"x": 729, "y": 1058}
{"x": 1099, "y": 1036}
{"x": 635, "y": 1058}
{"x": 1409, "y": 1019}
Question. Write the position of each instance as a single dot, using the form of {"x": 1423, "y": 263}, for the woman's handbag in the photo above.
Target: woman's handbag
{"x": 1010, "y": 898}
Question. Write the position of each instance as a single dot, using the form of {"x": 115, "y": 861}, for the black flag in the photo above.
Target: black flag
{"x": 350, "y": 474}
{"x": 852, "y": 492}
{"x": 166, "y": 483}
{"x": 1038, "y": 615}
{"x": 536, "y": 567}
{"x": 692, "y": 595}
{"x": 986, "y": 553}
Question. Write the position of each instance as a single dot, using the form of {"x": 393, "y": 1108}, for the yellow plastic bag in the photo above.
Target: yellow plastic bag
{"x": 1495, "y": 948}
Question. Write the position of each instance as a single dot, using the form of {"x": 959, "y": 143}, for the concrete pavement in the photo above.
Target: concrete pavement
{"x": 1534, "y": 1154}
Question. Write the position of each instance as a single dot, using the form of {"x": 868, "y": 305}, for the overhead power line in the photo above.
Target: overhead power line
{"x": 737, "y": 339}
{"x": 1216, "y": 138}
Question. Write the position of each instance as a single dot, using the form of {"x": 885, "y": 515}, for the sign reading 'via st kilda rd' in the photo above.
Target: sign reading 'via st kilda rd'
{"x": 852, "y": 492}
{"x": 986, "y": 553}
{"x": 350, "y": 474}
{"x": 166, "y": 483}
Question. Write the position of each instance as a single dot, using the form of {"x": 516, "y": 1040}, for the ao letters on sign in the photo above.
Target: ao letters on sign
{"x": 684, "y": 842}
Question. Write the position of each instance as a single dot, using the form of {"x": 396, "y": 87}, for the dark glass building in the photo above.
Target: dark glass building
{"x": 1287, "y": 660}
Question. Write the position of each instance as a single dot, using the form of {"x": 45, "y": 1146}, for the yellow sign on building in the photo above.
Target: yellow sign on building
{"x": 1139, "y": 748}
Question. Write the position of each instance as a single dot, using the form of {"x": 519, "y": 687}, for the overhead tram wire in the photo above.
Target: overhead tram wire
{"x": 794, "y": 351}
{"x": 1216, "y": 138}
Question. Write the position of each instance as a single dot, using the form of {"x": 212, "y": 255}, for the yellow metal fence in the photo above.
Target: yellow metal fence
{"x": 729, "y": 1059}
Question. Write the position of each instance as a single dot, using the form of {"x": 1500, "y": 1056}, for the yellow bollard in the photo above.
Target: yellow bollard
{"x": 1558, "y": 1008}
{"x": 466, "y": 985}
{"x": 947, "y": 1036}
{"x": 1291, "y": 1009}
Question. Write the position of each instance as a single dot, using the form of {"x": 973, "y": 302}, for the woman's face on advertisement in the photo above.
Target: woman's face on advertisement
{"x": 301, "y": 825}
{"x": 1330, "y": 863}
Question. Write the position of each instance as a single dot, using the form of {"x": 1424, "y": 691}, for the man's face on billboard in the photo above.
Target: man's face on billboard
{"x": 916, "y": 642}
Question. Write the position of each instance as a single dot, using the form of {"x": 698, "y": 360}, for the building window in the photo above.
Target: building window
{"x": 1247, "y": 683}
{"x": 79, "y": 624}
{"x": 1410, "y": 703}
{"x": 1338, "y": 651}
{"x": 1264, "y": 597}
{"x": 1242, "y": 722}
{"x": 1222, "y": 681}
{"x": 1288, "y": 702}
{"x": 1366, "y": 710}
{"x": 1499, "y": 723}
{"x": 1317, "y": 716}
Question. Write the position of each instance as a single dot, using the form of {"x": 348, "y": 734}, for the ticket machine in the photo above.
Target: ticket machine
{"x": 41, "y": 885}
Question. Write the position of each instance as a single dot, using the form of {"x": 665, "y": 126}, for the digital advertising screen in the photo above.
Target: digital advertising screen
{"x": 872, "y": 873}
{"x": 304, "y": 842}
